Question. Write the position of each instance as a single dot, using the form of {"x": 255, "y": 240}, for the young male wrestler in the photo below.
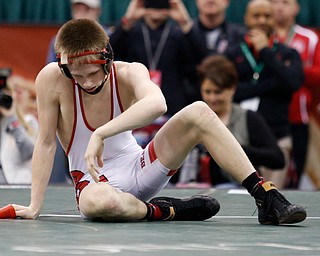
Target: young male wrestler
{"x": 93, "y": 105}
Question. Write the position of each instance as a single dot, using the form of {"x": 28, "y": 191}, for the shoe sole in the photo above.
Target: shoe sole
{"x": 294, "y": 217}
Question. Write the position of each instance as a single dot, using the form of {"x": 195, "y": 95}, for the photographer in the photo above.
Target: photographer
{"x": 17, "y": 136}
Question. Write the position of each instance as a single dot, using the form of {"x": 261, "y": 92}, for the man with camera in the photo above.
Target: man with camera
{"x": 149, "y": 34}
{"x": 17, "y": 136}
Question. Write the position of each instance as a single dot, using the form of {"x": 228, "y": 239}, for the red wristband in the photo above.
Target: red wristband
{"x": 8, "y": 212}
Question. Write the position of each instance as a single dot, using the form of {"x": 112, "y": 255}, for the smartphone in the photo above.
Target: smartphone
{"x": 157, "y": 4}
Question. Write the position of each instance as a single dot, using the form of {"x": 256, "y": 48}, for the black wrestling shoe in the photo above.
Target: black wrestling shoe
{"x": 195, "y": 208}
{"x": 274, "y": 209}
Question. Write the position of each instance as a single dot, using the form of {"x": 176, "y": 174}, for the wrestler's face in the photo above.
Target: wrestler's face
{"x": 218, "y": 99}
{"x": 88, "y": 76}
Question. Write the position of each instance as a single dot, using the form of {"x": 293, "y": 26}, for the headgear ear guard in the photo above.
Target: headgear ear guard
{"x": 108, "y": 56}
{"x": 106, "y": 60}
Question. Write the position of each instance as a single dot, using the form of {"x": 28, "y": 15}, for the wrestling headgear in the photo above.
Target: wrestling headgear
{"x": 105, "y": 60}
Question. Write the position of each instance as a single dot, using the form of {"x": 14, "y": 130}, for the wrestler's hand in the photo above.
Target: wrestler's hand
{"x": 25, "y": 212}
{"x": 94, "y": 154}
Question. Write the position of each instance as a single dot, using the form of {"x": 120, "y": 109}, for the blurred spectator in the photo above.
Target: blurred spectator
{"x": 25, "y": 94}
{"x": 218, "y": 80}
{"x": 269, "y": 73}
{"x": 18, "y": 131}
{"x": 210, "y": 33}
{"x": 306, "y": 42}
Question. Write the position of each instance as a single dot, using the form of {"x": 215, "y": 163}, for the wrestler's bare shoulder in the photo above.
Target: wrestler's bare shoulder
{"x": 51, "y": 69}
{"x": 50, "y": 76}
{"x": 125, "y": 68}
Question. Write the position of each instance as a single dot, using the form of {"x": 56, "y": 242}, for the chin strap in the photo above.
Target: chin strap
{"x": 99, "y": 88}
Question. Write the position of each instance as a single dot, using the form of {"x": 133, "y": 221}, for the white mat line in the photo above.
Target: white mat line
{"x": 15, "y": 186}
{"x": 252, "y": 217}
{"x": 61, "y": 215}
{"x": 215, "y": 217}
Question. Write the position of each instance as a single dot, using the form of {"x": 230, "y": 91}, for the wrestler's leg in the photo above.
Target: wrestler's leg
{"x": 102, "y": 201}
{"x": 195, "y": 124}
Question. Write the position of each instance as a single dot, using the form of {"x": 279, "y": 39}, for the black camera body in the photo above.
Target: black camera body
{"x": 5, "y": 99}
{"x": 157, "y": 4}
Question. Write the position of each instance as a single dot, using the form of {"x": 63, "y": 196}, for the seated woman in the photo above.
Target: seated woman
{"x": 218, "y": 80}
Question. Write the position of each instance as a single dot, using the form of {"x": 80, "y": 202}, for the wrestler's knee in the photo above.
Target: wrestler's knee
{"x": 199, "y": 112}
{"x": 99, "y": 200}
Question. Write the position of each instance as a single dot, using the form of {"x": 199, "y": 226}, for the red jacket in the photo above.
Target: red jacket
{"x": 306, "y": 42}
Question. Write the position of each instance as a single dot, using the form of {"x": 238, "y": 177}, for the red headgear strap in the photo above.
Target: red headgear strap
{"x": 65, "y": 59}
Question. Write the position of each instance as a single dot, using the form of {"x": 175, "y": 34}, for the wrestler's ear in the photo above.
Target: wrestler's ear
{"x": 63, "y": 67}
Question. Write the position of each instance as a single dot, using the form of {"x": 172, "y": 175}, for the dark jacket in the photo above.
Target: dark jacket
{"x": 281, "y": 76}
{"x": 230, "y": 36}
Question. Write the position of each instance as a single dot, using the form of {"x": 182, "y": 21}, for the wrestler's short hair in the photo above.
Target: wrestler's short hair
{"x": 81, "y": 35}
{"x": 219, "y": 70}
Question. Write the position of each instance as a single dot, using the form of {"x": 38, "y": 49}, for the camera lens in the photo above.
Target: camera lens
{"x": 5, "y": 100}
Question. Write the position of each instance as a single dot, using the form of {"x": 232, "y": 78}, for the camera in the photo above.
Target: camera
{"x": 5, "y": 99}
{"x": 157, "y": 4}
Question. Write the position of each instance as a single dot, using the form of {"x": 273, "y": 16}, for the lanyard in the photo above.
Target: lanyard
{"x": 153, "y": 59}
{"x": 290, "y": 37}
{"x": 257, "y": 68}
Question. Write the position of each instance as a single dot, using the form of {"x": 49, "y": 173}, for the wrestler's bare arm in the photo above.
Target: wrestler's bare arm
{"x": 143, "y": 105}
{"x": 45, "y": 147}
{"x": 143, "y": 102}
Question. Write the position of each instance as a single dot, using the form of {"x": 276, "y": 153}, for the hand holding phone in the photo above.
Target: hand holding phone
{"x": 157, "y": 4}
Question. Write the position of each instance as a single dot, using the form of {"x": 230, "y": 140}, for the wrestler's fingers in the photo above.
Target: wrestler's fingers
{"x": 100, "y": 162}
{"x": 24, "y": 212}
{"x": 18, "y": 207}
{"x": 94, "y": 172}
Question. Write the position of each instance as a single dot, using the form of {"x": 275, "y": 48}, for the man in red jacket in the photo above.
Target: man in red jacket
{"x": 306, "y": 42}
